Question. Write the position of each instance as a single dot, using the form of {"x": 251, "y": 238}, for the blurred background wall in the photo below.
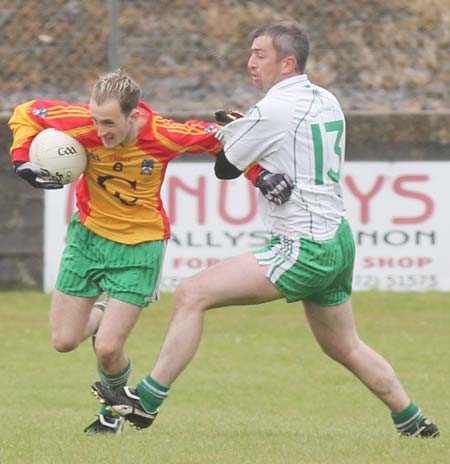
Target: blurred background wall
{"x": 386, "y": 60}
{"x": 191, "y": 55}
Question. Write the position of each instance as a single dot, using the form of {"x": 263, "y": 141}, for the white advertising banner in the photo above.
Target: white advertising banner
{"x": 398, "y": 212}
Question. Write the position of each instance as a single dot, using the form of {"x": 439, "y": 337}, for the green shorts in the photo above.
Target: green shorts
{"x": 92, "y": 264}
{"x": 317, "y": 271}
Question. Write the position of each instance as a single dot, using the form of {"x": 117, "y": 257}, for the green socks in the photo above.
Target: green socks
{"x": 105, "y": 412}
{"x": 116, "y": 380}
{"x": 406, "y": 421}
{"x": 151, "y": 393}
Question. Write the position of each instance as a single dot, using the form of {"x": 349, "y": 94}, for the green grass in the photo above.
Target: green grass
{"x": 258, "y": 391}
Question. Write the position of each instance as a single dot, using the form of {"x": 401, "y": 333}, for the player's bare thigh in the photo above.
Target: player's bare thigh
{"x": 333, "y": 326}
{"x": 239, "y": 280}
{"x": 68, "y": 318}
{"x": 118, "y": 320}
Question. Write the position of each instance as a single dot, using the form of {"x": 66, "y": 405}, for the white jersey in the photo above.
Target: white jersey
{"x": 297, "y": 129}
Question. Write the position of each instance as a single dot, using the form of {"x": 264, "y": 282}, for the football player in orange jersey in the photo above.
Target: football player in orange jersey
{"x": 117, "y": 238}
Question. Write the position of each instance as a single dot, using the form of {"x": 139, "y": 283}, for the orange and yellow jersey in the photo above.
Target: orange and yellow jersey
{"x": 119, "y": 195}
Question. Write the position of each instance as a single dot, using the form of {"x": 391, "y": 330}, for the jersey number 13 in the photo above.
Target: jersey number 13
{"x": 331, "y": 128}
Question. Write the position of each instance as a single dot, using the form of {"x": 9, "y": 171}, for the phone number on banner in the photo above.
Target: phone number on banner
{"x": 402, "y": 282}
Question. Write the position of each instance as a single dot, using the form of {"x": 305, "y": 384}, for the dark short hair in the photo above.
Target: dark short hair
{"x": 288, "y": 38}
{"x": 117, "y": 85}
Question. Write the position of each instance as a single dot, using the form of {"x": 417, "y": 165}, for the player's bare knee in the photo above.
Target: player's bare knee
{"x": 188, "y": 296}
{"x": 341, "y": 353}
{"x": 107, "y": 353}
{"x": 64, "y": 344}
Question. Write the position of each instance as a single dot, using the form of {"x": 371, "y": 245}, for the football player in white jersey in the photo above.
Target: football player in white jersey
{"x": 297, "y": 129}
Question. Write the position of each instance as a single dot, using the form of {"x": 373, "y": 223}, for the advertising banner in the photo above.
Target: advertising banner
{"x": 397, "y": 211}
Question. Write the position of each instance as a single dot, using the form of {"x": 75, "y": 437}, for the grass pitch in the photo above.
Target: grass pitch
{"x": 258, "y": 391}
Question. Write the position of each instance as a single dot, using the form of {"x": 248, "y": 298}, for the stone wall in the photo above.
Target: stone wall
{"x": 191, "y": 55}
{"x": 370, "y": 136}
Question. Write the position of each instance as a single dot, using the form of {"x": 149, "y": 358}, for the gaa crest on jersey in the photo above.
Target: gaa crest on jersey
{"x": 210, "y": 129}
{"x": 40, "y": 112}
{"x": 147, "y": 167}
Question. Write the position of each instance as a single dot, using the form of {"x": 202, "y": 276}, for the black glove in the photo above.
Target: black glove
{"x": 226, "y": 116}
{"x": 277, "y": 188}
{"x": 32, "y": 172}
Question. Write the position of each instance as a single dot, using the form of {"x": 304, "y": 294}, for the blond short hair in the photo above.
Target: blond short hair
{"x": 117, "y": 85}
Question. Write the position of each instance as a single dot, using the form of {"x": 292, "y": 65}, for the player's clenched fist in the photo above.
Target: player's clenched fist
{"x": 32, "y": 173}
{"x": 277, "y": 188}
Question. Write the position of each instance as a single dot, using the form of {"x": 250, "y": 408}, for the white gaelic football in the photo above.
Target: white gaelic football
{"x": 60, "y": 154}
